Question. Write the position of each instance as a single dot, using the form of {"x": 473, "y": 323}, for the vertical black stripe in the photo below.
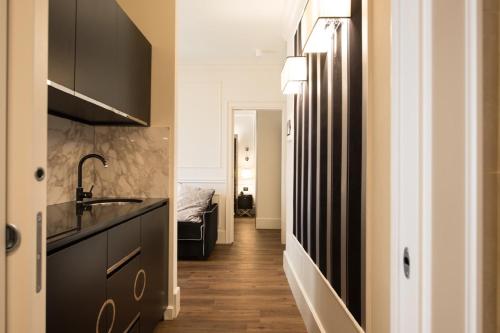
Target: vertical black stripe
{"x": 295, "y": 155}
{"x": 294, "y": 186}
{"x": 336, "y": 165}
{"x": 312, "y": 155}
{"x": 305, "y": 165}
{"x": 329, "y": 163}
{"x": 300, "y": 160}
{"x": 322, "y": 158}
{"x": 299, "y": 144}
{"x": 354, "y": 230}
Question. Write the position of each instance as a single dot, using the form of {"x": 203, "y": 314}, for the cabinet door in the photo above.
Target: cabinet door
{"x": 134, "y": 69}
{"x": 96, "y": 33}
{"x": 62, "y": 25}
{"x": 136, "y": 327}
{"x": 125, "y": 288}
{"x": 76, "y": 287}
{"x": 123, "y": 241}
{"x": 154, "y": 243}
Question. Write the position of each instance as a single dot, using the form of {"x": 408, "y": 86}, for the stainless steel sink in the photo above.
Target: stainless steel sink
{"x": 112, "y": 202}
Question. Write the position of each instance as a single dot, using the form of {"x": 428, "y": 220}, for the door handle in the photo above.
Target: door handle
{"x": 406, "y": 262}
{"x": 12, "y": 238}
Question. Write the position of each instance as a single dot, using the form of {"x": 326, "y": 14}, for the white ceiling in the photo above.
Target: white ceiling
{"x": 230, "y": 31}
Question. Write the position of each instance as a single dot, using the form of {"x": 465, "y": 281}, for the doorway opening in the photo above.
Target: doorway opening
{"x": 257, "y": 168}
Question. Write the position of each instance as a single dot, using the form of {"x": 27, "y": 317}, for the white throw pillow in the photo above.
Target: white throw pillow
{"x": 192, "y": 202}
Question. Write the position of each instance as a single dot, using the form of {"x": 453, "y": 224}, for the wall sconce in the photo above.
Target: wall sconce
{"x": 319, "y": 21}
{"x": 293, "y": 74}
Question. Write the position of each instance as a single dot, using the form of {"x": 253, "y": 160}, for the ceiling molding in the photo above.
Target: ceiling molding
{"x": 291, "y": 17}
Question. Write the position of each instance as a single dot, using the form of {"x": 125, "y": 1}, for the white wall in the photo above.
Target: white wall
{"x": 245, "y": 127}
{"x": 268, "y": 206}
{"x": 206, "y": 95}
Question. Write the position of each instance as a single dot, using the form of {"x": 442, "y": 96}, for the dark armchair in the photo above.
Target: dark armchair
{"x": 196, "y": 240}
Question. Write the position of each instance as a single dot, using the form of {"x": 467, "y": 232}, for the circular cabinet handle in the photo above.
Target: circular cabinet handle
{"x": 104, "y": 305}
{"x": 138, "y": 297}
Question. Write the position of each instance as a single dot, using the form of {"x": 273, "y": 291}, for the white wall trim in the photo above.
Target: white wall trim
{"x": 306, "y": 309}
{"x": 426, "y": 169}
{"x": 3, "y": 157}
{"x": 472, "y": 153}
{"x": 268, "y": 223}
{"x": 394, "y": 248}
{"x": 411, "y": 174}
{"x": 321, "y": 308}
{"x": 173, "y": 308}
{"x": 221, "y": 236}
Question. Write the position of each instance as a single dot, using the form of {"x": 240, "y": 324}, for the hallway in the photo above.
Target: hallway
{"x": 241, "y": 288}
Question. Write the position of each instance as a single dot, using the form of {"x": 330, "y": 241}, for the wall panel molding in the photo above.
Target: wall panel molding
{"x": 200, "y": 124}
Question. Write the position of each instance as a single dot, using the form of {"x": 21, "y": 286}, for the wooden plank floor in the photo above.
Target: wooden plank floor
{"x": 241, "y": 288}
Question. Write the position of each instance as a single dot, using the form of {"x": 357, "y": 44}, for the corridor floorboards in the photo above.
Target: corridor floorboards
{"x": 241, "y": 288}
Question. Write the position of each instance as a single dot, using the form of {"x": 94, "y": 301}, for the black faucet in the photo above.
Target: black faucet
{"x": 80, "y": 193}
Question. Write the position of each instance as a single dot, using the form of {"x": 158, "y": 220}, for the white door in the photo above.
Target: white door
{"x": 3, "y": 111}
{"x": 410, "y": 166}
{"x": 27, "y": 53}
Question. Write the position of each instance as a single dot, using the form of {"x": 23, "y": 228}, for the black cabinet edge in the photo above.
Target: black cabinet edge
{"x": 64, "y": 105}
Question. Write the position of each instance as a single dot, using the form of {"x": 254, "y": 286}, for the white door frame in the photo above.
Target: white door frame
{"x": 3, "y": 156}
{"x": 26, "y": 151}
{"x": 473, "y": 167}
{"x": 411, "y": 164}
{"x": 232, "y": 107}
{"x": 412, "y": 129}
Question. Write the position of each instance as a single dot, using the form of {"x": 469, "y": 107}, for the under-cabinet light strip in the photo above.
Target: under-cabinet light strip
{"x": 95, "y": 102}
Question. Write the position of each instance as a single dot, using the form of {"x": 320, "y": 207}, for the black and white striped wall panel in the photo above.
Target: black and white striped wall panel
{"x": 328, "y": 165}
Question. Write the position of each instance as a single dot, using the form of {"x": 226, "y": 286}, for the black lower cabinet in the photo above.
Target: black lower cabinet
{"x": 114, "y": 281}
{"x": 136, "y": 327}
{"x": 122, "y": 289}
{"x": 76, "y": 287}
{"x": 154, "y": 242}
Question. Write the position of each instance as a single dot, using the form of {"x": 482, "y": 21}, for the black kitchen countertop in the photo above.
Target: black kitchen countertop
{"x": 65, "y": 227}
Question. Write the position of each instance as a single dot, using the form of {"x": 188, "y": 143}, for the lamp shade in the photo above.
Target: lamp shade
{"x": 293, "y": 74}
{"x": 316, "y": 24}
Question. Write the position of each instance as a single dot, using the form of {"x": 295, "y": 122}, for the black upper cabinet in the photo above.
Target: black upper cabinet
{"x": 62, "y": 25}
{"x": 96, "y": 51}
{"x": 134, "y": 69}
{"x": 96, "y": 33}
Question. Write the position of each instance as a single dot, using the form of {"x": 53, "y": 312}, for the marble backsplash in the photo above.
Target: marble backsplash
{"x": 138, "y": 162}
{"x": 137, "y": 158}
{"x": 67, "y": 142}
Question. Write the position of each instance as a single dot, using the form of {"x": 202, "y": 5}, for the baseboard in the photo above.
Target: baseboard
{"x": 221, "y": 237}
{"x": 267, "y": 223}
{"x": 311, "y": 321}
{"x": 321, "y": 308}
{"x": 173, "y": 309}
